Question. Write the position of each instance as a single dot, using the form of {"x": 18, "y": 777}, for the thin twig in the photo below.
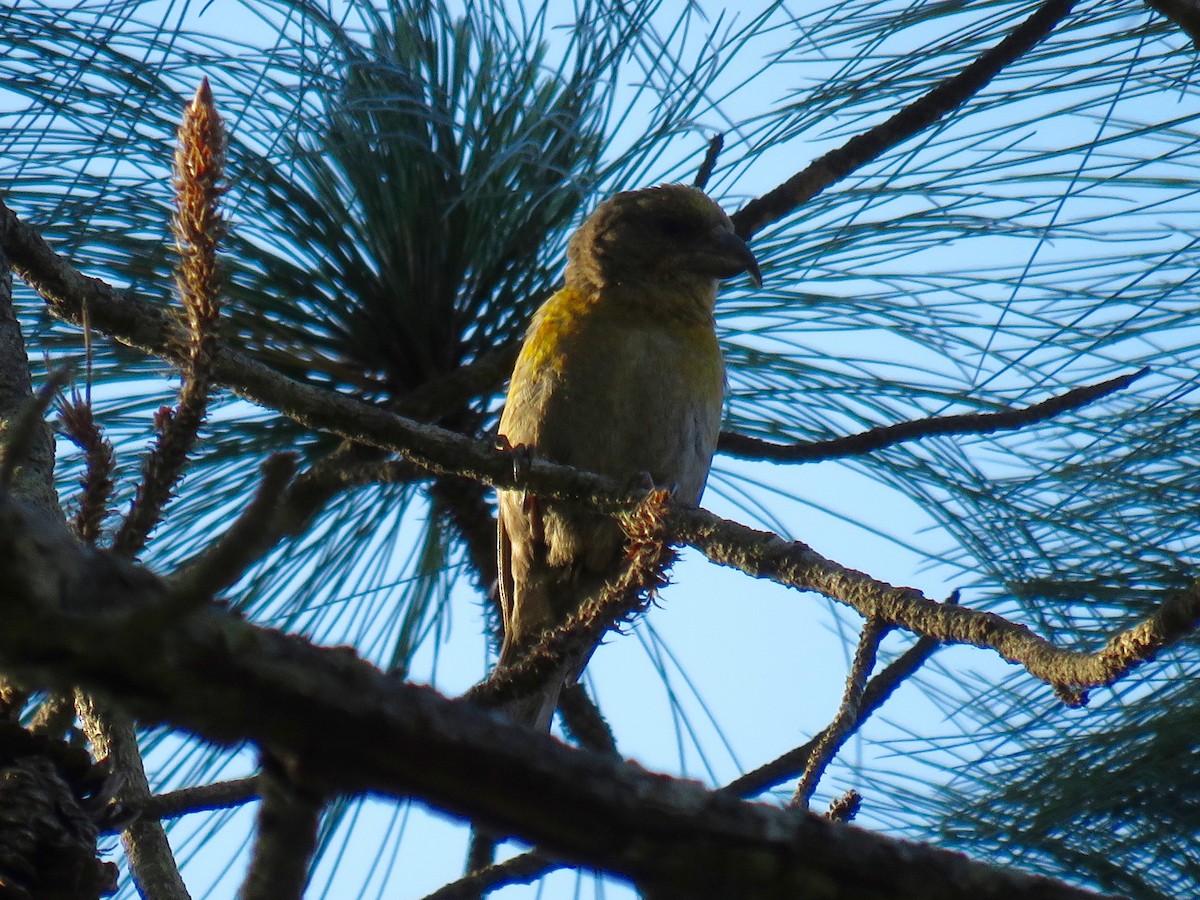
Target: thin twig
{"x": 201, "y": 798}
{"x": 914, "y": 118}
{"x": 523, "y": 869}
{"x": 647, "y": 557}
{"x": 79, "y": 425}
{"x": 224, "y": 561}
{"x": 848, "y": 717}
{"x": 745, "y": 447}
{"x": 21, "y": 432}
{"x": 878, "y": 691}
{"x": 715, "y": 145}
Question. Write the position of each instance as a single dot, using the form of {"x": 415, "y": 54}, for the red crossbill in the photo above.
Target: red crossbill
{"x": 620, "y": 374}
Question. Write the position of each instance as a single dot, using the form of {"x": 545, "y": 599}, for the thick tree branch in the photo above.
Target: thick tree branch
{"x": 766, "y": 555}
{"x": 226, "y": 680}
{"x": 160, "y": 332}
{"x": 745, "y": 447}
{"x": 728, "y": 543}
{"x": 914, "y": 118}
{"x": 285, "y": 838}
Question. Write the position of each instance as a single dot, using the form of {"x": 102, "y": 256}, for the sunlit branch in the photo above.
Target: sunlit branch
{"x": 647, "y": 556}
{"x": 848, "y": 717}
{"x": 1070, "y": 673}
{"x": 914, "y": 118}
{"x": 877, "y": 692}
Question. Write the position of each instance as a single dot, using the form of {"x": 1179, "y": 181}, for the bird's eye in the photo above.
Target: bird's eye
{"x": 675, "y": 227}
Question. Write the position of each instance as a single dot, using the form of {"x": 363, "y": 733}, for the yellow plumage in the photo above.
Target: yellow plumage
{"x": 620, "y": 374}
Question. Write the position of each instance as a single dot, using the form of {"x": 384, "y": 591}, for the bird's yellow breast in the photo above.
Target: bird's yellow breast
{"x": 574, "y": 326}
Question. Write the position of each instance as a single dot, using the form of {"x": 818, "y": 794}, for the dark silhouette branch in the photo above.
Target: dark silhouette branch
{"x": 523, "y": 869}
{"x": 914, "y": 118}
{"x": 285, "y": 838}
{"x": 715, "y": 145}
{"x": 229, "y": 681}
{"x": 744, "y": 447}
{"x": 201, "y": 798}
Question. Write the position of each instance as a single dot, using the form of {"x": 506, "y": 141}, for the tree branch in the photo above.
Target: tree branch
{"x": 525, "y": 868}
{"x": 848, "y": 716}
{"x": 914, "y": 118}
{"x": 745, "y": 447}
{"x": 228, "y": 681}
{"x": 286, "y": 838}
{"x": 202, "y": 798}
{"x": 878, "y": 690}
{"x": 766, "y": 555}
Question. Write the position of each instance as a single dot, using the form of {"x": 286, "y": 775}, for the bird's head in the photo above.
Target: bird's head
{"x": 671, "y": 235}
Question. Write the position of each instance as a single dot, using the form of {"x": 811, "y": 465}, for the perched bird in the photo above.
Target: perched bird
{"x": 620, "y": 374}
